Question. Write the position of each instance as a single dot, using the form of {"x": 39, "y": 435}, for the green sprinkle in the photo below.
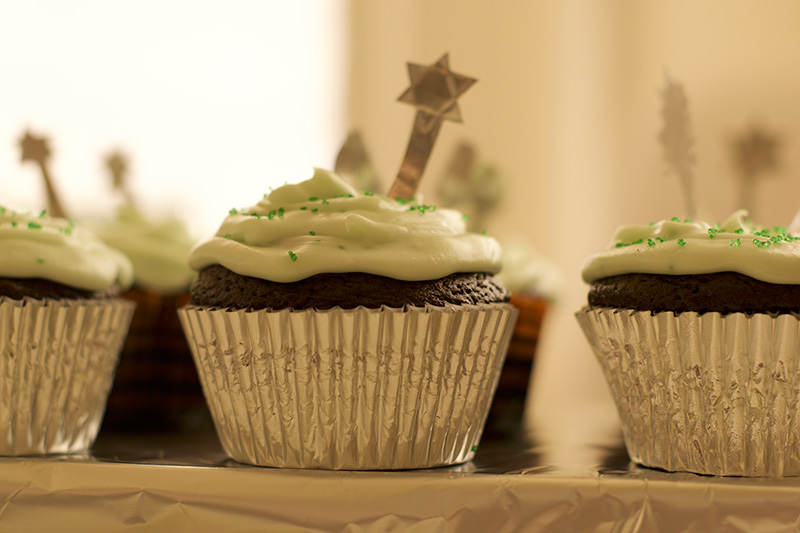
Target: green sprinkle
{"x": 43, "y": 213}
{"x": 639, "y": 241}
{"x": 622, "y": 244}
{"x": 313, "y": 199}
{"x": 312, "y": 233}
{"x": 712, "y": 233}
{"x": 681, "y": 242}
{"x": 314, "y": 209}
{"x": 651, "y": 242}
{"x": 484, "y": 232}
{"x": 34, "y": 225}
{"x": 233, "y": 211}
{"x": 401, "y": 201}
{"x": 735, "y": 242}
{"x": 227, "y": 235}
{"x": 652, "y": 223}
{"x": 272, "y": 214}
{"x": 464, "y": 217}
{"x": 675, "y": 219}
{"x": 71, "y": 223}
{"x": 324, "y": 201}
{"x": 738, "y": 231}
{"x": 659, "y": 239}
{"x": 717, "y": 225}
{"x": 292, "y": 256}
{"x": 367, "y": 193}
{"x": 687, "y": 221}
{"x": 280, "y": 212}
{"x": 13, "y": 224}
{"x": 40, "y": 260}
{"x": 474, "y": 448}
{"x": 303, "y": 208}
{"x": 341, "y": 247}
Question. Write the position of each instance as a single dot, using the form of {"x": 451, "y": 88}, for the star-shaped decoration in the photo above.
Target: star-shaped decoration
{"x": 117, "y": 164}
{"x": 435, "y": 89}
{"x": 34, "y": 148}
{"x": 755, "y": 151}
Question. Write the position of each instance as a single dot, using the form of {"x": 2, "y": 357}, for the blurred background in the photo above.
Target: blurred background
{"x": 216, "y": 102}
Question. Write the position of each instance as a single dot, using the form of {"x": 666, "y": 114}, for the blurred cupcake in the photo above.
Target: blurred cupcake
{"x": 61, "y": 328}
{"x": 532, "y": 281}
{"x": 339, "y": 330}
{"x": 696, "y": 327}
{"x": 156, "y": 387}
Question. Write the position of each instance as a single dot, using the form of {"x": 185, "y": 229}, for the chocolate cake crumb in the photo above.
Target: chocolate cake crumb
{"x": 725, "y": 292}
{"x": 217, "y": 286}
{"x": 18, "y": 288}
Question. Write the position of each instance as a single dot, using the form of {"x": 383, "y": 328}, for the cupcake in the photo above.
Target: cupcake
{"x": 156, "y": 386}
{"x": 697, "y": 330}
{"x": 531, "y": 281}
{"x": 61, "y": 328}
{"x": 339, "y": 330}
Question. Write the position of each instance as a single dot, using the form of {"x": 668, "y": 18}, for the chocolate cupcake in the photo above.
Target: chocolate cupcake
{"x": 697, "y": 328}
{"x": 63, "y": 325}
{"x": 339, "y": 330}
{"x": 156, "y": 386}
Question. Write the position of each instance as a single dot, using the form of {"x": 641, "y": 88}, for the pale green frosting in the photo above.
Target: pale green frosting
{"x": 158, "y": 249}
{"x": 681, "y": 247}
{"x": 55, "y": 249}
{"x": 323, "y": 225}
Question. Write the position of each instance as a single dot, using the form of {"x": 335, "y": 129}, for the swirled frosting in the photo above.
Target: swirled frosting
{"x": 323, "y": 225}
{"x": 158, "y": 249}
{"x": 675, "y": 247}
{"x": 56, "y": 249}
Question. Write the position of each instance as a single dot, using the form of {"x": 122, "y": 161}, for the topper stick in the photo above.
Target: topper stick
{"x": 117, "y": 164}
{"x": 36, "y": 149}
{"x": 434, "y": 91}
{"x": 677, "y": 140}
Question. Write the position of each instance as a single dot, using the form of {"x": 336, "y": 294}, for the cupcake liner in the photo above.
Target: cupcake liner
{"x": 356, "y": 389}
{"x": 57, "y": 361}
{"x": 708, "y": 394}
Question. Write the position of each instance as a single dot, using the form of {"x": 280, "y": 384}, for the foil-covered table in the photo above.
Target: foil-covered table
{"x": 185, "y": 483}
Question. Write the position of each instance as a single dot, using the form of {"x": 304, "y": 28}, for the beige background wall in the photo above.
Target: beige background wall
{"x": 567, "y": 105}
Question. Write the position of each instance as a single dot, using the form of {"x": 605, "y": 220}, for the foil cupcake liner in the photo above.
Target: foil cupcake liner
{"x": 356, "y": 389}
{"x": 57, "y": 361}
{"x": 707, "y": 394}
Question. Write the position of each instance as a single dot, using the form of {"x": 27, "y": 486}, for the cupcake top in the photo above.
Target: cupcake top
{"x": 158, "y": 249}
{"x": 675, "y": 247}
{"x": 526, "y": 271}
{"x": 56, "y": 249}
{"x": 323, "y": 225}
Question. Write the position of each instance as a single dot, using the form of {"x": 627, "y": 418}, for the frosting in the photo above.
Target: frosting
{"x": 525, "y": 270}
{"x": 55, "y": 249}
{"x": 324, "y": 225}
{"x": 686, "y": 247}
{"x": 159, "y": 250}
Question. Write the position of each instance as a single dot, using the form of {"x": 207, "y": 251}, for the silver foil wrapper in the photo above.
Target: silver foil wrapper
{"x": 708, "y": 394}
{"x": 57, "y": 362}
{"x": 357, "y": 389}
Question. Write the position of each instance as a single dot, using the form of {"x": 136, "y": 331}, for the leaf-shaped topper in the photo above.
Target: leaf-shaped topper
{"x": 677, "y": 139}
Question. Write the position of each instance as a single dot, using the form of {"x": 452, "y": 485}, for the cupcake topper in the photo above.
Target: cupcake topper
{"x": 754, "y": 153}
{"x": 117, "y": 164}
{"x": 469, "y": 181}
{"x": 677, "y": 139}
{"x": 36, "y": 149}
{"x": 354, "y": 164}
{"x": 434, "y": 92}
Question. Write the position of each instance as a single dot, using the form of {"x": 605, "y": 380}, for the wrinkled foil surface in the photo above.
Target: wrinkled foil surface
{"x": 708, "y": 394}
{"x": 57, "y": 361}
{"x": 359, "y": 389}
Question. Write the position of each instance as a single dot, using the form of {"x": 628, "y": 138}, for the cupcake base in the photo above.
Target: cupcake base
{"x": 708, "y": 394}
{"x": 356, "y": 389}
{"x": 57, "y": 361}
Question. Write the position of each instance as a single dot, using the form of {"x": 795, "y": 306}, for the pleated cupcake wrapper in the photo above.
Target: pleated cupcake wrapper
{"x": 57, "y": 361}
{"x": 708, "y": 394}
{"x": 354, "y": 389}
